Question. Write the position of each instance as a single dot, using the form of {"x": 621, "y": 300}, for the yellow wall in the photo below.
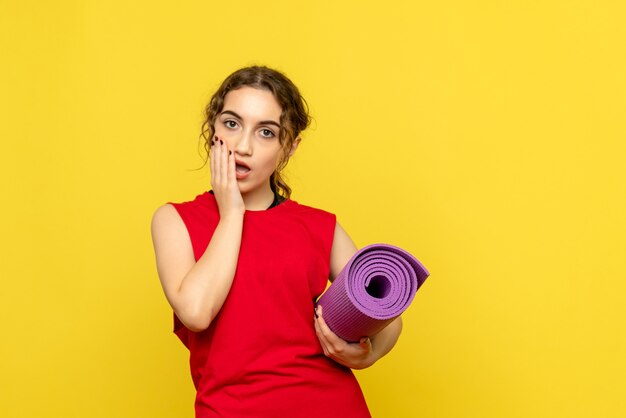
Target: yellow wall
{"x": 488, "y": 138}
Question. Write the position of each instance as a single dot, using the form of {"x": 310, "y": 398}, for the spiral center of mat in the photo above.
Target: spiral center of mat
{"x": 378, "y": 287}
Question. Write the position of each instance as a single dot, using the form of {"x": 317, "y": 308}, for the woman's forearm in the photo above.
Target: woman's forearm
{"x": 204, "y": 289}
{"x": 386, "y": 338}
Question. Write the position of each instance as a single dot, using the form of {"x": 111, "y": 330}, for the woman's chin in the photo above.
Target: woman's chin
{"x": 243, "y": 187}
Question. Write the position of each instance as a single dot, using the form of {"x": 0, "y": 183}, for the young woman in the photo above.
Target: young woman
{"x": 243, "y": 264}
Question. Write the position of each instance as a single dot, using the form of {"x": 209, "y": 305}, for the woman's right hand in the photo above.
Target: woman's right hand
{"x": 224, "y": 180}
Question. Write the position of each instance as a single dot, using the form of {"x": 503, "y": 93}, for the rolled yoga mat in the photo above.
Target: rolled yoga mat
{"x": 377, "y": 284}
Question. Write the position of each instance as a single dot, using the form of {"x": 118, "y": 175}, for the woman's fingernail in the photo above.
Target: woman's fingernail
{"x": 229, "y": 152}
{"x": 221, "y": 142}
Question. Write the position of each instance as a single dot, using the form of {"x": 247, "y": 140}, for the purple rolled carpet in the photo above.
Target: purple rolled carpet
{"x": 377, "y": 284}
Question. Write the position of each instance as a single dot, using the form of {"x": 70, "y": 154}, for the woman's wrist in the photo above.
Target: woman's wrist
{"x": 230, "y": 217}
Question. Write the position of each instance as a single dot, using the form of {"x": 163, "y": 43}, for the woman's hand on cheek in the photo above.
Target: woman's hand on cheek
{"x": 224, "y": 180}
{"x": 354, "y": 355}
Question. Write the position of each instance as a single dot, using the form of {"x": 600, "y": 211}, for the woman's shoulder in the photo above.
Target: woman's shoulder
{"x": 164, "y": 213}
{"x": 166, "y": 225}
{"x": 199, "y": 205}
{"x": 201, "y": 199}
{"x": 189, "y": 211}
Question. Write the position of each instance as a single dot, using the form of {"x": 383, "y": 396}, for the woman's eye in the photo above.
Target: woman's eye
{"x": 267, "y": 133}
{"x": 228, "y": 123}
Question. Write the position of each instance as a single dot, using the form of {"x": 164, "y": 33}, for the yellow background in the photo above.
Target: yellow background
{"x": 485, "y": 137}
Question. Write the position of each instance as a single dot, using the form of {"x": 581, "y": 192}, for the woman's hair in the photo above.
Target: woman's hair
{"x": 294, "y": 117}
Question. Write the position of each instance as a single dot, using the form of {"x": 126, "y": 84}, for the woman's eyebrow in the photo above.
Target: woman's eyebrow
{"x": 263, "y": 122}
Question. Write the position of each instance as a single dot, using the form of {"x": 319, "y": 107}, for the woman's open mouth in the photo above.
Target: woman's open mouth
{"x": 242, "y": 169}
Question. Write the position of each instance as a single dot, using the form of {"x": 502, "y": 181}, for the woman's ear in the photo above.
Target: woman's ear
{"x": 296, "y": 142}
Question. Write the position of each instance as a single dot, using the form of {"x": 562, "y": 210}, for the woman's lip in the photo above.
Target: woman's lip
{"x": 241, "y": 176}
{"x": 242, "y": 163}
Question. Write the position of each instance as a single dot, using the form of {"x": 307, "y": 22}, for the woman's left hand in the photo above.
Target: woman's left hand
{"x": 354, "y": 355}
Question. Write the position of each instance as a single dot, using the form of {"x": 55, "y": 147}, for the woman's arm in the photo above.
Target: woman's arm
{"x": 383, "y": 342}
{"x": 369, "y": 350}
{"x": 197, "y": 290}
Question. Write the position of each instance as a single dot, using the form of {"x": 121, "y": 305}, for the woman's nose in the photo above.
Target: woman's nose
{"x": 244, "y": 144}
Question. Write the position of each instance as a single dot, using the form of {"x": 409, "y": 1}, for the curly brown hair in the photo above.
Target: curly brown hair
{"x": 294, "y": 117}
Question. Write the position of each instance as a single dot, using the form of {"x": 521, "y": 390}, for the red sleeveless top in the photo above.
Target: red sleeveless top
{"x": 260, "y": 357}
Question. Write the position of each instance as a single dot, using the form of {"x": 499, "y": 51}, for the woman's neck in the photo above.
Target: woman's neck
{"x": 259, "y": 199}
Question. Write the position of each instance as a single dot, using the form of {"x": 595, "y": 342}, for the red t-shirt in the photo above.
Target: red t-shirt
{"x": 260, "y": 357}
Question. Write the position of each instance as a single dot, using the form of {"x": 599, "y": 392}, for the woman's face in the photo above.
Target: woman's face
{"x": 249, "y": 124}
